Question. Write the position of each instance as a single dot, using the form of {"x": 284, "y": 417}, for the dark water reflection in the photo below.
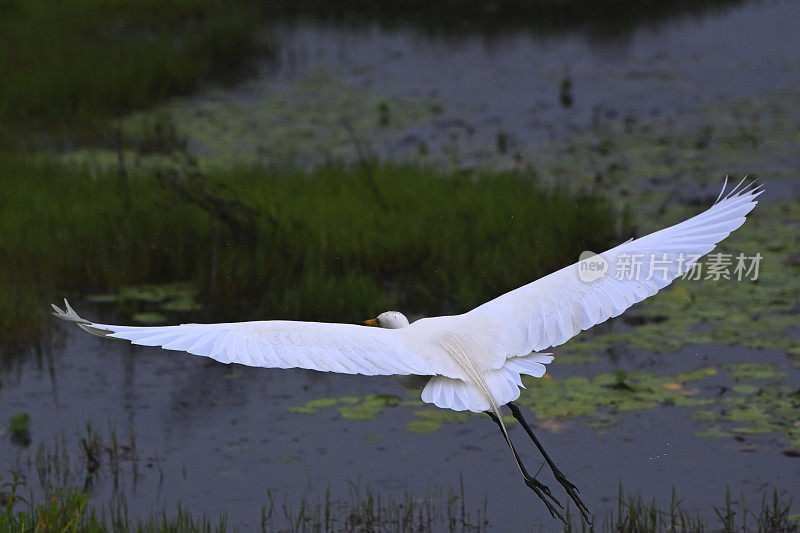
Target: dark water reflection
{"x": 606, "y": 20}
{"x": 510, "y": 85}
{"x": 511, "y": 80}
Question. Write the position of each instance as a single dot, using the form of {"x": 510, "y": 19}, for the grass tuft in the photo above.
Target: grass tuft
{"x": 19, "y": 429}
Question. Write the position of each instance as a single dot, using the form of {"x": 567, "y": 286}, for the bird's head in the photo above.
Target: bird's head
{"x": 388, "y": 320}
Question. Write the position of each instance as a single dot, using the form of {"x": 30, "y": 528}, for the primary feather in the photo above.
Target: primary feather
{"x": 344, "y": 348}
{"x": 475, "y": 359}
{"x": 553, "y": 309}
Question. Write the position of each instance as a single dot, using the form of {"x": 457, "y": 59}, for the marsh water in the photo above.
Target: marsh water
{"x": 217, "y": 438}
{"x": 232, "y": 439}
{"x": 451, "y": 99}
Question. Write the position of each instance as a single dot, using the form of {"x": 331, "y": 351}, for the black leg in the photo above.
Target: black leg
{"x": 571, "y": 489}
{"x": 541, "y": 490}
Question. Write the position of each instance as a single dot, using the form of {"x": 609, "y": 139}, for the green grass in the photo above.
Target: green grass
{"x": 363, "y": 509}
{"x": 335, "y": 244}
{"x": 65, "y": 64}
{"x": 635, "y": 515}
{"x": 69, "y": 510}
{"x": 359, "y": 509}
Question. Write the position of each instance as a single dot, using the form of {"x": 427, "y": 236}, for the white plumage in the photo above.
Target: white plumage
{"x": 476, "y": 358}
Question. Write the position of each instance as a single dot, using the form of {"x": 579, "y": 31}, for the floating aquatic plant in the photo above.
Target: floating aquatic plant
{"x": 351, "y": 407}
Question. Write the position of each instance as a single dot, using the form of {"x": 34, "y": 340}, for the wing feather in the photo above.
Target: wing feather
{"x": 344, "y": 348}
{"x": 553, "y": 309}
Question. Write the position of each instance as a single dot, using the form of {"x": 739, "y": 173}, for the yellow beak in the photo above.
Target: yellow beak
{"x": 372, "y": 322}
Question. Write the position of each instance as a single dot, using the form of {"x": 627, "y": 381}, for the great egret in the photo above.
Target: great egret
{"x": 474, "y": 359}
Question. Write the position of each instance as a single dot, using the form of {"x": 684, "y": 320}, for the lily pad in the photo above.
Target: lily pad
{"x": 754, "y": 371}
{"x": 713, "y": 433}
{"x": 169, "y": 297}
{"x": 749, "y": 430}
{"x": 149, "y": 318}
{"x": 368, "y": 408}
{"x": 443, "y": 416}
{"x": 706, "y": 416}
{"x": 422, "y": 426}
{"x": 744, "y": 388}
{"x": 181, "y": 304}
{"x": 101, "y": 298}
{"x": 314, "y": 406}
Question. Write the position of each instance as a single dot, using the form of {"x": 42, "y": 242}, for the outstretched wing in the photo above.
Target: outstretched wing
{"x": 553, "y": 309}
{"x": 345, "y": 348}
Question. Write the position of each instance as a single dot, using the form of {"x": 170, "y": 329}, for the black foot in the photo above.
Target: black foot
{"x": 572, "y": 492}
{"x": 569, "y": 487}
{"x": 543, "y": 492}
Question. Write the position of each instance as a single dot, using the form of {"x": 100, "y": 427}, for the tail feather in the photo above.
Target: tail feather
{"x": 497, "y": 387}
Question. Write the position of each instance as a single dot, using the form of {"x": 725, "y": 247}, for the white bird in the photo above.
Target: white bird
{"x": 474, "y": 359}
